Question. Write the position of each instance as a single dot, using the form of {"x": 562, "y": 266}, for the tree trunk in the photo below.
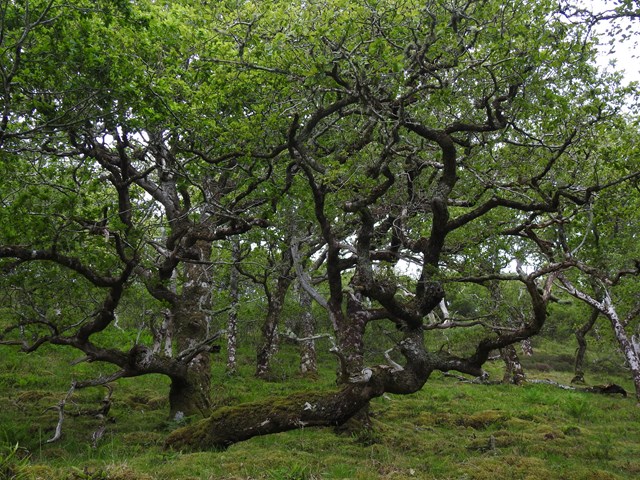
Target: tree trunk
{"x": 630, "y": 353}
{"x": 607, "y": 308}
{"x": 351, "y": 338}
{"x": 514, "y": 373}
{"x": 308, "y": 357}
{"x": 269, "y": 345}
{"x": 190, "y": 395}
{"x": 581, "y": 334}
{"x": 191, "y": 392}
{"x": 232, "y": 323}
{"x": 229, "y": 425}
{"x": 351, "y": 344}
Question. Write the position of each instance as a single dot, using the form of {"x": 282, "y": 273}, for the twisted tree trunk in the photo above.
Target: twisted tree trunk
{"x": 581, "y": 334}
{"x": 308, "y": 357}
{"x": 190, "y": 392}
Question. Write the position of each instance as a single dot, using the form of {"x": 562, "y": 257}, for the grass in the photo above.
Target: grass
{"x": 449, "y": 430}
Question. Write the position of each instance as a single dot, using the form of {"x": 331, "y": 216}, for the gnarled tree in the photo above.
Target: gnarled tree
{"x": 422, "y": 135}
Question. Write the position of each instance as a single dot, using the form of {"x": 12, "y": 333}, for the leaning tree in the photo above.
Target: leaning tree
{"x": 412, "y": 135}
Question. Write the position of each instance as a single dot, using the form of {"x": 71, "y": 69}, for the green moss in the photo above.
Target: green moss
{"x": 227, "y": 425}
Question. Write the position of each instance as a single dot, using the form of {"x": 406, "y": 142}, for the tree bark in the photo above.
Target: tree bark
{"x": 269, "y": 345}
{"x": 232, "y": 322}
{"x": 514, "y": 373}
{"x": 630, "y": 353}
{"x": 308, "y": 357}
{"x": 229, "y": 425}
{"x": 607, "y": 308}
{"x": 191, "y": 392}
{"x": 527, "y": 348}
{"x": 581, "y": 334}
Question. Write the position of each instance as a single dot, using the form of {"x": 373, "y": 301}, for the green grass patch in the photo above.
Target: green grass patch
{"x": 450, "y": 429}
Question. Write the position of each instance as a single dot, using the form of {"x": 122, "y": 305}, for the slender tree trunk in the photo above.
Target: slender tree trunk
{"x": 269, "y": 345}
{"x": 627, "y": 346}
{"x": 581, "y": 334}
{"x": 270, "y": 340}
{"x": 607, "y": 308}
{"x": 527, "y": 348}
{"x": 514, "y": 373}
{"x": 232, "y": 324}
{"x": 308, "y": 357}
{"x": 191, "y": 392}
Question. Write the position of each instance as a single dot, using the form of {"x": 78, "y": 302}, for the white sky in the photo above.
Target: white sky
{"x": 625, "y": 53}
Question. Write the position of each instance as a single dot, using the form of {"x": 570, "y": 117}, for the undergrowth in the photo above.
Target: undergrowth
{"x": 449, "y": 430}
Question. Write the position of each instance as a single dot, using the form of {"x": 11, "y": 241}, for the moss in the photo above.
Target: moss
{"x": 477, "y": 421}
{"x": 143, "y": 438}
{"x": 499, "y": 439}
{"x": 490, "y": 467}
{"x": 38, "y": 472}
{"x": 481, "y": 420}
{"x": 32, "y": 396}
{"x": 228, "y": 425}
{"x": 146, "y": 401}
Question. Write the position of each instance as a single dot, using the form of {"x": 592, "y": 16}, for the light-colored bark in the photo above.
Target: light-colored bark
{"x": 308, "y": 357}
{"x": 232, "y": 322}
{"x": 514, "y": 373}
{"x": 607, "y": 309}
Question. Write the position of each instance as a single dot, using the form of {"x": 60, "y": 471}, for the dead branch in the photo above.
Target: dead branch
{"x": 102, "y": 413}
{"x": 205, "y": 346}
{"x": 60, "y": 408}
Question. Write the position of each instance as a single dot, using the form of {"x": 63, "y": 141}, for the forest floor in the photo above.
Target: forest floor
{"x": 449, "y": 430}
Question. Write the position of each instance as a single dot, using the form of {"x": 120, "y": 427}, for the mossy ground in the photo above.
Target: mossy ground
{"x": 449, "y": 430}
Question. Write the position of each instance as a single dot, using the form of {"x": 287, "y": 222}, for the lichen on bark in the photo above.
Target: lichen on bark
{"x": 229, "y": 425}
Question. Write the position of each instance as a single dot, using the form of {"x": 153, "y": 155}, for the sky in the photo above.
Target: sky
{"x": 625, "y": 53}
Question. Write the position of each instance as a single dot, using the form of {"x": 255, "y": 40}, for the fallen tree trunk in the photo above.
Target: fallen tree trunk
{"x": 608, "y": 389}
{"x": 229, "y": 425}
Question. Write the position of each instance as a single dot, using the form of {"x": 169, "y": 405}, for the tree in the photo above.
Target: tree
{"x": 419, "y": 134}
{"x": 109, "y": 185}
{"x": 599, "y": 261}
{"x": 416, "y": 155}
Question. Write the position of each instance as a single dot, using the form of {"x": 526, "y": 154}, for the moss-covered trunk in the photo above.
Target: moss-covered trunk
{"x": 190, "y": 395}
{"x": 229, "y": 425}
{"x": 191, "y": 390}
